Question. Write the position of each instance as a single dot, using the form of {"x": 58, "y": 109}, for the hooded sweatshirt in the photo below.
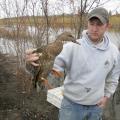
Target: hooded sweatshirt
{"x": 91, "y": 70}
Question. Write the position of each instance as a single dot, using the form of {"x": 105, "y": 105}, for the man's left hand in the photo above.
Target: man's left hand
{"x": 103, "y": 101}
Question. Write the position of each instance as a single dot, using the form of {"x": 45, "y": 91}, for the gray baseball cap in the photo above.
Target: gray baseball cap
{"x": 101, "y": 13}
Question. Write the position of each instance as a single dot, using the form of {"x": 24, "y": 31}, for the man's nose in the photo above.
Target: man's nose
{"x": 95, "y": 28}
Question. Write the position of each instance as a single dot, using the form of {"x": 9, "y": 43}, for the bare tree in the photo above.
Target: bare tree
{"x": 45, "y": 10}
{"x": 83, "y": 7}
{"x": 32, "y": 21}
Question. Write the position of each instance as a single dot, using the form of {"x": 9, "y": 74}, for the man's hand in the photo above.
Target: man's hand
{"x": 31, "y": 57}
{"x": 103, "y": 101}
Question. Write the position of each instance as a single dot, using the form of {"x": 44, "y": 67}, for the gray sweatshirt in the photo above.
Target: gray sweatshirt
{"x": 92, "y": 71}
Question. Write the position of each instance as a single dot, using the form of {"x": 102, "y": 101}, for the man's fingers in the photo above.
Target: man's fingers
{"x": 34, "y": 64}
{"x": 102, "y": 103}
{"x": 32, "y": 57}
{"x": 99, "y": 103}
{"x": 30, "y": 51}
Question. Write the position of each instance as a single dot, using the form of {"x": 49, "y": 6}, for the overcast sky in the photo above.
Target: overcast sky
{"x": 113, "y": 5}
{"x": 54, "y": 6}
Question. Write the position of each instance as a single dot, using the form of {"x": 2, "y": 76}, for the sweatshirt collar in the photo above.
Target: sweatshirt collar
{"x": 103, "y": 45}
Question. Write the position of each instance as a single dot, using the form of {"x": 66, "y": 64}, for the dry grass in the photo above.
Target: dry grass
{"x": 58, "y": 20}
{"x": 54, "y": 22}
{"x": 14, "y": 34}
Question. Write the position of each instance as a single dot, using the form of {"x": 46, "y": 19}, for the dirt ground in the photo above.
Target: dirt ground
{"x": 19, "y": 102}
{"x": 16, "y": 103}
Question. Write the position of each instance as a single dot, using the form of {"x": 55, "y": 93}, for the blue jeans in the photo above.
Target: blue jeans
{"x": 72, "y": 111}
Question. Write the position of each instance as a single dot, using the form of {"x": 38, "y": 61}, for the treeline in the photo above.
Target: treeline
{"x": 57, "y": 21}
{"x": 31, "y": 20}
{"x": 115, "y": 22}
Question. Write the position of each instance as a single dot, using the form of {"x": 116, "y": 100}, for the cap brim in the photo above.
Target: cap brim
{"x": 99, "y": 17}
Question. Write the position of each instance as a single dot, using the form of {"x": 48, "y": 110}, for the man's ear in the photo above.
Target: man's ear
{"x": 109, "y": 26}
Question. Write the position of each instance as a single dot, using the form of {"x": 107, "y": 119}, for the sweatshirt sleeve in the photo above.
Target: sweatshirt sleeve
{"x": 62, "y": 61}
{"x": 112, "y": 78}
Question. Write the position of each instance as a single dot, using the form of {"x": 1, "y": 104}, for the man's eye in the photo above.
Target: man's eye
{"x": 91, "y": 23}
{"x": 99, "y": 24}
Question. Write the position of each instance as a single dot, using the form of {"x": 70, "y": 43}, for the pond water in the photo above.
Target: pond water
{"x": 11, "y": 46}
{"x": 115, "y": 38}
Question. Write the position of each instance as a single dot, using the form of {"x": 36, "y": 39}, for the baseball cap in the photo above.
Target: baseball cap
{"x": 101, "y": 13}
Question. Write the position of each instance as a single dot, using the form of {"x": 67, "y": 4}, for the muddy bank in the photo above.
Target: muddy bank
{"x": 16, "y": 103}
{"x": 19, "y": 101}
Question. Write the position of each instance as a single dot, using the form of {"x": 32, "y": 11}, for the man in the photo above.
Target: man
{"x": 91, "y": 70}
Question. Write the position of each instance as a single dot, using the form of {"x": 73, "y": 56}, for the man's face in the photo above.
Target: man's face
{"x": 96, "y": 29}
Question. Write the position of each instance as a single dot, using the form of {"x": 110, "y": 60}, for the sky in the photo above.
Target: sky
{"x": 113, "y": 5}
{"x": 55, "y": 7}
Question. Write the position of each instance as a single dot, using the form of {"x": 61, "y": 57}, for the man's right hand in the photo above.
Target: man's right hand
{"x": 31, "y": 57}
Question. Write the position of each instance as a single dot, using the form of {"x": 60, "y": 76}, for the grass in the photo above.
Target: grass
{"x": 65, "y": 21}
{"x": 55, "y": 21}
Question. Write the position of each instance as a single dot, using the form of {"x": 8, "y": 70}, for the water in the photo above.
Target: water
{"x": 12, "y": 46}
{"x": 115, "y": 38}
{"x": 8, "y": 46}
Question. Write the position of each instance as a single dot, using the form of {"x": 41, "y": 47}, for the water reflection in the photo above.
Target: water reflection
{"x": 7, "y": 46}
{"x": 11, "y": 47}
{"x": 115, "y": 38}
